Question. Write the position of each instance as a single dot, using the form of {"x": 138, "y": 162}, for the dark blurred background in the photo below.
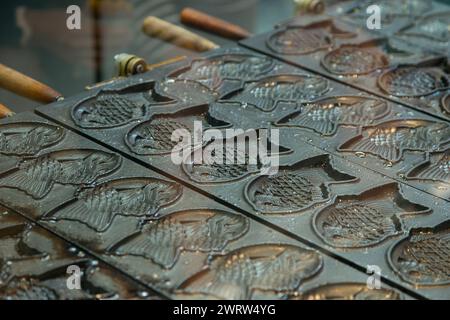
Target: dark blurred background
{"x": 35, "y": 40}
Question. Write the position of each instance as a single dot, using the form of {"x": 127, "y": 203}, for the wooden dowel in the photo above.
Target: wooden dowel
{"x": 163, "y": 30}
{"x": 5, "y": 111}
{"x": 129, "y": 64}
{"x": 212, "y": 24}
{"x": 25, "y": 86}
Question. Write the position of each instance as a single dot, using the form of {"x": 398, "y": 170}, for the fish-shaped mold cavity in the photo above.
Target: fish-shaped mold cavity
{"x": 299, "y": 40}
{"x": 437, "y": 168}
{"x": 406, "y": 81}
{"x": 212, "y": 71}
{"x": 109, "y": 109}
{"x": 163, "y": 240}
{"x": 37, "y": 176}
{"x": 155, "y": 135}
{"x": 295, "y": 188}
{"x": 355, "y": 60}
{"x": 28, "y": 138}
{"x": 138, "y": 197}
{"x": 326, "y": 115}
{"x": 268, "y": 92}
{"x": 277, "y": 268}
{"x": 423, "y": 258}
{"x": 348, "y": 291}
{"x": 366, "y": 219}
{"x": 232, "y": 158}
{"x": 389, "y": 140}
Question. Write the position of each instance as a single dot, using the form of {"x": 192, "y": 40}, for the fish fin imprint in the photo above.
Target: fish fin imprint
{"x": 94, "y": 210}
{"x": 229, "y": 290}
{"x": 256, "y": 96}
{"x": 386, "y": 151}
{"x": 159, "y": 241}
{"x": 209, "y": 282}
{"x": 309, "y": 119}
{"x": 29, "y": 180}
{"x": 363, "y": 112}
{"x": 438, "y": 171}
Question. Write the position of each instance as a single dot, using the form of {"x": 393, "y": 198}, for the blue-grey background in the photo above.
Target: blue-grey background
{"x": 65, "y": 59}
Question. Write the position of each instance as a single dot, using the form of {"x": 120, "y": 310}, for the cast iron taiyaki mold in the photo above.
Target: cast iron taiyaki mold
{"x": 230, "y": 192}
{"x": 300, "y": 40}
{"x": 390, "y": 140}
{"x": 123, "y": 241}
{"x": 366, "y": 219}
{"x": 296, "y": 187}
{"x": 325, "y": 115}
{"x": 423, "y": 258}
{"x": 238, "y": 274}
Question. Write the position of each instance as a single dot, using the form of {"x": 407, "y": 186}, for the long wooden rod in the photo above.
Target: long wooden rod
{"x": 5, "y": 111}
{"x": 25, "y": 86}
{"x": 166, "y": 31}
{"x": 212, "y": 24}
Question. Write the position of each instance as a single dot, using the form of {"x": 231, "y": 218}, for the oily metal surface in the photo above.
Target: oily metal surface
{"x": 34, "y": 265}
{"x": 326, "y": 113}
{"x": 396, "y": 67}
{"x": 316, "y": 196}
{"x": 171, "y": 238}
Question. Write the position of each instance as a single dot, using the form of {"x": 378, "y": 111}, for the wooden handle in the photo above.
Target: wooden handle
{"x": 25, "y": 86}
{"x": 157, "y": 28}
{"x": 129, "y": 64}
{"x": 5, "y": 111}
{"x": 212, "y": 24}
